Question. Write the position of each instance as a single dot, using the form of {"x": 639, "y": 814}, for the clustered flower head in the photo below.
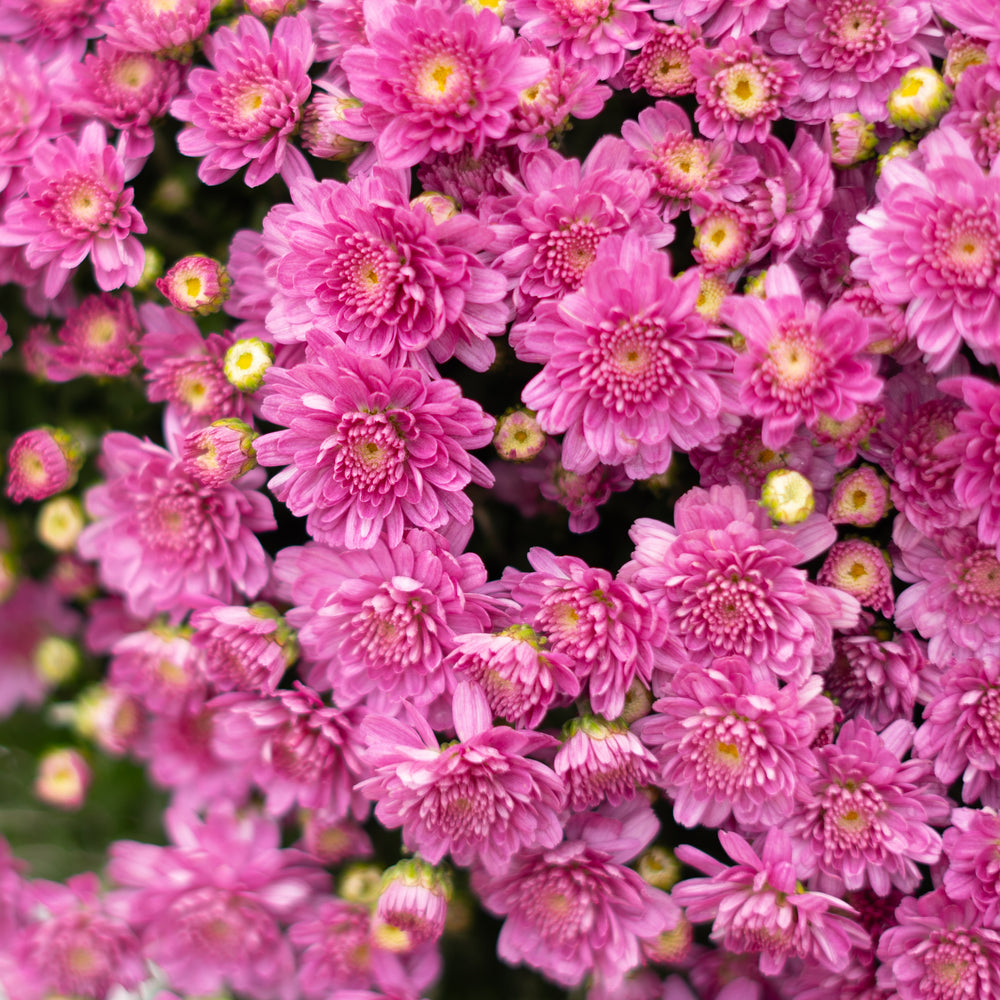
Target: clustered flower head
{"x": 538, "y": 457}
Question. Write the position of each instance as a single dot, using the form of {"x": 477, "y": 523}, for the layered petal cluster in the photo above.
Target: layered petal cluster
{"x": 479, "y": 799}
{"x": 28, "y": 116}
{"x": 369, "y": 449}
{"x": 632, "y": 370}
{"x": 973, "y": 872}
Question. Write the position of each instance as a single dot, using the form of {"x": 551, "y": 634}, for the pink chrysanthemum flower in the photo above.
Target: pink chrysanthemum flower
{"x": 801, "y": 361}
{"x": 718, "y": 17}
{"x": 604, "y": 625}
{"x": 932, "y": 244}
{"x": 41, "y": 463}
{"x": 596, "y": 32}
{"x": 196, "y": 284}
{"x": 244, "y": 110}
{"x": 939, "y": 950}
{"x": 474, "y": 181}
{"x": 77, "y": 948}
{"x": 437, "y": 76}
{"x": 76, "y": 205}
{"x": 99, "y": 337}
{"x": 28, "y": 116}
{"x": 558, "y": 214}
{"x": 299, "y": 751}
{"x": 862, "y": 569}
{"x": 376, "y": 625}
{"x": 662, "y": 67}
{"x": 412, "y": 905}
{"x": 959, "y": 733}
{"x": 602, "y": 761}
{"x": 220, "y": 453}
{"x": 740, "y": 90}
{"x": 370, "y": 449}
{"x": 975, "y": 114}
{"x": 358, "y": 261}
{"x": 975, "y": 451}
{"x": 731, "y": 745}
{"x": 333, "y": 124}
{"x": 478, "y": 799}
{"x": 759, "y": 906}
{"x": 724, "y": 235}
{"x": 49, "y": 29}
{"x": 522, "y": 679}
{"x": 955, "y": 598}
{"x": 632, "y": 370}
{"x": 860, "y": 498}
{"x": 168, "y": 29}
{"x": 851, "y": 53}
{"x": 877, "y": 674}
{"x": 210, "y": 910}
{"x": 726, "y": 583}
{"x": 576, "y": 909}
{"x": 163, "y": 539}
{"x": 971, "y": 846}
{"x": 680, "y": 166}
{"x": 867, "y": 815}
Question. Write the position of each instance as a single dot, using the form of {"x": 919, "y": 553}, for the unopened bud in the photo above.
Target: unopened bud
{"x": 518, "y": 436}
{"x": 63, "y": 779}
{"x": 60, "y": 522}
{"x": 196, "y": 284}
{"x": 787, "y": 496}
{"x": 853, "y": 139}
{"x": 920, "y": 100}
{"x": 246, "y": 362}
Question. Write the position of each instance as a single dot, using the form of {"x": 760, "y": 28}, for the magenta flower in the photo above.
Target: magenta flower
{"x": 160, "y": 667}
{"x": 851, "y": 53}
{"x": 370, "y": 449}
{"x": 576, "y": 909}
{"x": 160, "y": 28}
{"x": 244, "y": 110}
{"x": 973, "y": 872}
{"x": 605, "y": 626}
{"x": 41, "y": 463}
{"x": 28, "y": 116}
{"x": 220, "y": 453}
{"x": 662, "y": 67}
{"x": 375, "y": 625}
{"x": 939, "y": 949}
{"x": 974, "y": 113}
{"x": 76, "y": 205}
{"x": 718, "y": 18}
{"x": 861, "y": 569}
{"x": 437, "y": 76}
{"x": 932, "y": 244}
{"x": 731, "y": 745}
{"x": 631, "y": 368}
{"x": 99, "y": 337}
{"x": 478, "y": 799}
{"x": 726, "y": 583}
{"x": 360, "y": 262}
{"x": 801, "y": 360}
{"x": 758, "y": 906}
{"x": 163, "y": 540}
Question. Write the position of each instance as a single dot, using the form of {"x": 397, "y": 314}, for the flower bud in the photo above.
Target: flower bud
{"x": 56, "y": 660}
{"x": 853, "y": 138}
{"x": 518, "y": 436}
{"x": 440, "y": 207}
{"x": 63, "y": 778}
{"x": 863, "y": 570}
{"x": 59, "y": 523}
{"x": 963, "y": 52}
{"x": 220, "y": 453}
{"x": 246, "y": 362}
{"x": 412, "y": 905}
{"x": 920, "y": 100}
{"x": 787, "y": 496}
{"x": 196, "y": 284}
{"x": 271, "y": 11}
{"x": 861, "y": 498}
{"x": 41, "y": 463}
{"x": 659, "y": 867}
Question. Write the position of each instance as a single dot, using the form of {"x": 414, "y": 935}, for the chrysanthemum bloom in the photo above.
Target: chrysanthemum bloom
{"x": 579, "y": 493}
{"x": 602, "y": 761}
{"x": 437, "y": 76}
{"x": 333, "y": 125}
{"x": 473, "y": 181}
{"x": 129, "y": 90}
{"x": 41, "y": 463}
{"x": 662, "y": 67}
{"x": 196, "y": 284}
{"x": 518, "y": 438}
{"x": 412, "y": 905}
{"x": 975, "y": 451}
{"x": 718, "y": 17}
{"x": 860, "y": 498}
{"x": 971, "y": 846}
{"x": 370, "y": 449}
{"x": 358, "y": 261}
{"x": 49, "y": 30}
{"x": 576, "y": 910}
{"x": 162, "y": 538}
{"x": 159, "y": 666}
{"x": 740, "y": 90}
{"x": 478, "y": 799}
{"x": 940, "y": 949}
{"x": 758, "y": 906}
{"x": 932, "y": 244}
{"x": 801, "y": 360}
{"x": 376, "y": 625}
{"x": 168, "y": 29}
{"x": 605, "y": 626}
{"x": 210, "y": 909}
{"x": 867, "y": 816}
{"x": 877, "y": 673}
{"x": 28, "y": 116}
{"x": 244, "y": 111}
{"x": 631, "y": 368}
{"x": 522, "y": 678}
{"x": 76, "y": 205}
{"x": 959, "y": 731}
{"x": 77, "y": 948}
{"x": 851, "y": 53}
{"x": 955, "y": 598}
{"x": 862, "y": 569}
{"x": 678, "y": 165}
{"x": 726, "y": 583}
{"x": 558, "y": 213}
{"x": 298, "y": 750}
{"x": 596, "y": 32}
{"x": 220, "y": 453}
{"x": 724, "y": 235}
{"x": 99, "y": 337}
{"x": 975, "y": 114}
{"x": 731, "y": 745}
